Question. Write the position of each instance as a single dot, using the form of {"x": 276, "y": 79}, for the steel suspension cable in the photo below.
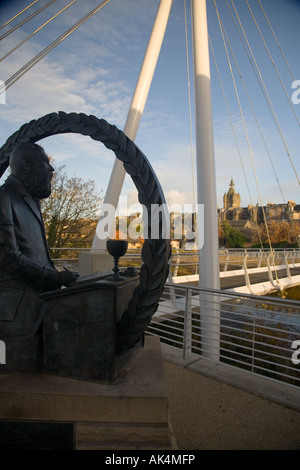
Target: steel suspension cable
{"x": 27, "y": 19}
{"x": 246, "y": 132}
{"x": 36, "y": 31}
{"x": 282, "y": 53}
{"x": 18, "y": 14}
{"x": 230, "y": 118}
{"x": 254, "y": 113}
{"x": 263, "y": 86}
{"x": 234, "y": 134}
{"x": 49, "y": 48}
{"x": 190, "y": 111}
{"x": 273, "y": 63}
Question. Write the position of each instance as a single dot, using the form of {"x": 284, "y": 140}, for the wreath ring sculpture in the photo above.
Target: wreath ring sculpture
{"x": 155, "y": 252}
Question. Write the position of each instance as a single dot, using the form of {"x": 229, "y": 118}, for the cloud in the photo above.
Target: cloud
{"x": 48, "y": 89}
{"x": 81, "y": 74}
{"x": 95, "y": 70}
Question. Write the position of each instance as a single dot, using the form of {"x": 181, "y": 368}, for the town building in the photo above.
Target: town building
{"x": 232, "y": 209}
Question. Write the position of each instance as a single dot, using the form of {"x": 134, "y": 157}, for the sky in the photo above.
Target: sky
{"x": 95, "y": 71}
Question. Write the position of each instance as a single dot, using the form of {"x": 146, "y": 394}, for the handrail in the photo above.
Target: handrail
{"x": 270, "y": 300}
{"x": 247, "y": 261}
{"x": 257, "y": 333}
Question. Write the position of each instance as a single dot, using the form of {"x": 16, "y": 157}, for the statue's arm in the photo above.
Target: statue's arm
{"x": 13, "y": 261}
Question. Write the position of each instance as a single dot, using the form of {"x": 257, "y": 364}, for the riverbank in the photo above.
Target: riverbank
{"x": 293, "y": 293}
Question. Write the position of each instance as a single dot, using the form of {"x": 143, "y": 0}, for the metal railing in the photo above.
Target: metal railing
{"x": 276, "y": 264}
{"x": 258, "y": 258}
{"x": 254, "y": 333}
{"x": 249, "y": 332}
{"x": 277, "y": 267}
{"x": 230, "y": 259}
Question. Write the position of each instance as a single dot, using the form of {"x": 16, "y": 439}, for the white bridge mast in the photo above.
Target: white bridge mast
{"x": 137, "y": 106}
{"x": 209, "y": 270}
{"x": 209, "y": 276}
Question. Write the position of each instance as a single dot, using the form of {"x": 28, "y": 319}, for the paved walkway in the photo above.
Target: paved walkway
{"x": 210, "y": 415}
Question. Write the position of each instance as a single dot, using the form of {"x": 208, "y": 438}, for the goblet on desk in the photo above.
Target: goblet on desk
{"x": 116, "y": 248}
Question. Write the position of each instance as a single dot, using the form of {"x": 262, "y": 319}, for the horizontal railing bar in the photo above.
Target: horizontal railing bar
{"x": 257, "y": 351}
{"x": 252, "y": 340}
{"x": 266, "y": 370}
{"x": 272, "y": 371}
{"x": 221, "y": 293}
{"x": 265, "y": 361}
{"x": 173, "y": 340}
{"x": 248, "y": 321}
{"x": 170, "y": 332}
{"x": 266, "y": 327}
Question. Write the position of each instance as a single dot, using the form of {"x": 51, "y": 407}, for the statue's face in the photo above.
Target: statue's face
{"x": 41, "y": 173}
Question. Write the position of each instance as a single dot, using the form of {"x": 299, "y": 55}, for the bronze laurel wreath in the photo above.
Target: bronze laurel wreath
{"x": 155, "y": 252}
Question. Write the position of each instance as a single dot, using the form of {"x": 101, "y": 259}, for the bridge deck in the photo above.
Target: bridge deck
{"x": 236, "y": 279}
{"x": 255, "y": 278}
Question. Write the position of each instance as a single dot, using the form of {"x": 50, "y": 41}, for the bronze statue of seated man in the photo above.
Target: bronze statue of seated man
{"x": 26, "y": 269}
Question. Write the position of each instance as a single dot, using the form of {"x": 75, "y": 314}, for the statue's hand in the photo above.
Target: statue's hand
{"x": 66, "y": 277}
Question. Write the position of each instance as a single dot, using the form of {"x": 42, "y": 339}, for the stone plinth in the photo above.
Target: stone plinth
{"x": 131, "y": 413}
{"x": 80, "y": 328}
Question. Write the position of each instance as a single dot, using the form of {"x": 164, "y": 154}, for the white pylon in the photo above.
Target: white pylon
{"x": 137, "y": 106}
{"x": 209, "y": 271}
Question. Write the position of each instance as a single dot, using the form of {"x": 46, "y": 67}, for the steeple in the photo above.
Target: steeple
{"x": 232, "y": 198}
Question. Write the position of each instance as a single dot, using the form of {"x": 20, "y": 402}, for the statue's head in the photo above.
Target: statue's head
{"x": 30, "y": 164}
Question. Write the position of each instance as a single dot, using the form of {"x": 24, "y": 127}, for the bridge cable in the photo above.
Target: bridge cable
{"x": 263, "y": 87}
{"x": 235, "y": 137}
{"x": 36, "y": 31}
{"x": 49, "y": 48}
{"x": 282, "y": 53}
{"x": 255, "y": 116}
{"x": 27, "y": 19}
{"x": 18, "y": 14}
{"x": 190, "y": 111}
{"x": 273, "y": 63}
{"x": 246, "y": 135}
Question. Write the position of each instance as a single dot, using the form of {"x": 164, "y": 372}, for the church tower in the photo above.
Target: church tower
{"x": 231, "y": 199}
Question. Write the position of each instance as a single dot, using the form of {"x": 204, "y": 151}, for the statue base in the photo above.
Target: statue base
{"x": 22, "y": 354}
{"x": 47, "y": 412}
{"x": 80, "y": 328}
{"x": 78, "y": 336}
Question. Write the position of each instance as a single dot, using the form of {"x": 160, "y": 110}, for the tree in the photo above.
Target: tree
{"x": 282, "y": 233}
{"x": 235, "y": 238}
{"x": 69, "y": 213}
